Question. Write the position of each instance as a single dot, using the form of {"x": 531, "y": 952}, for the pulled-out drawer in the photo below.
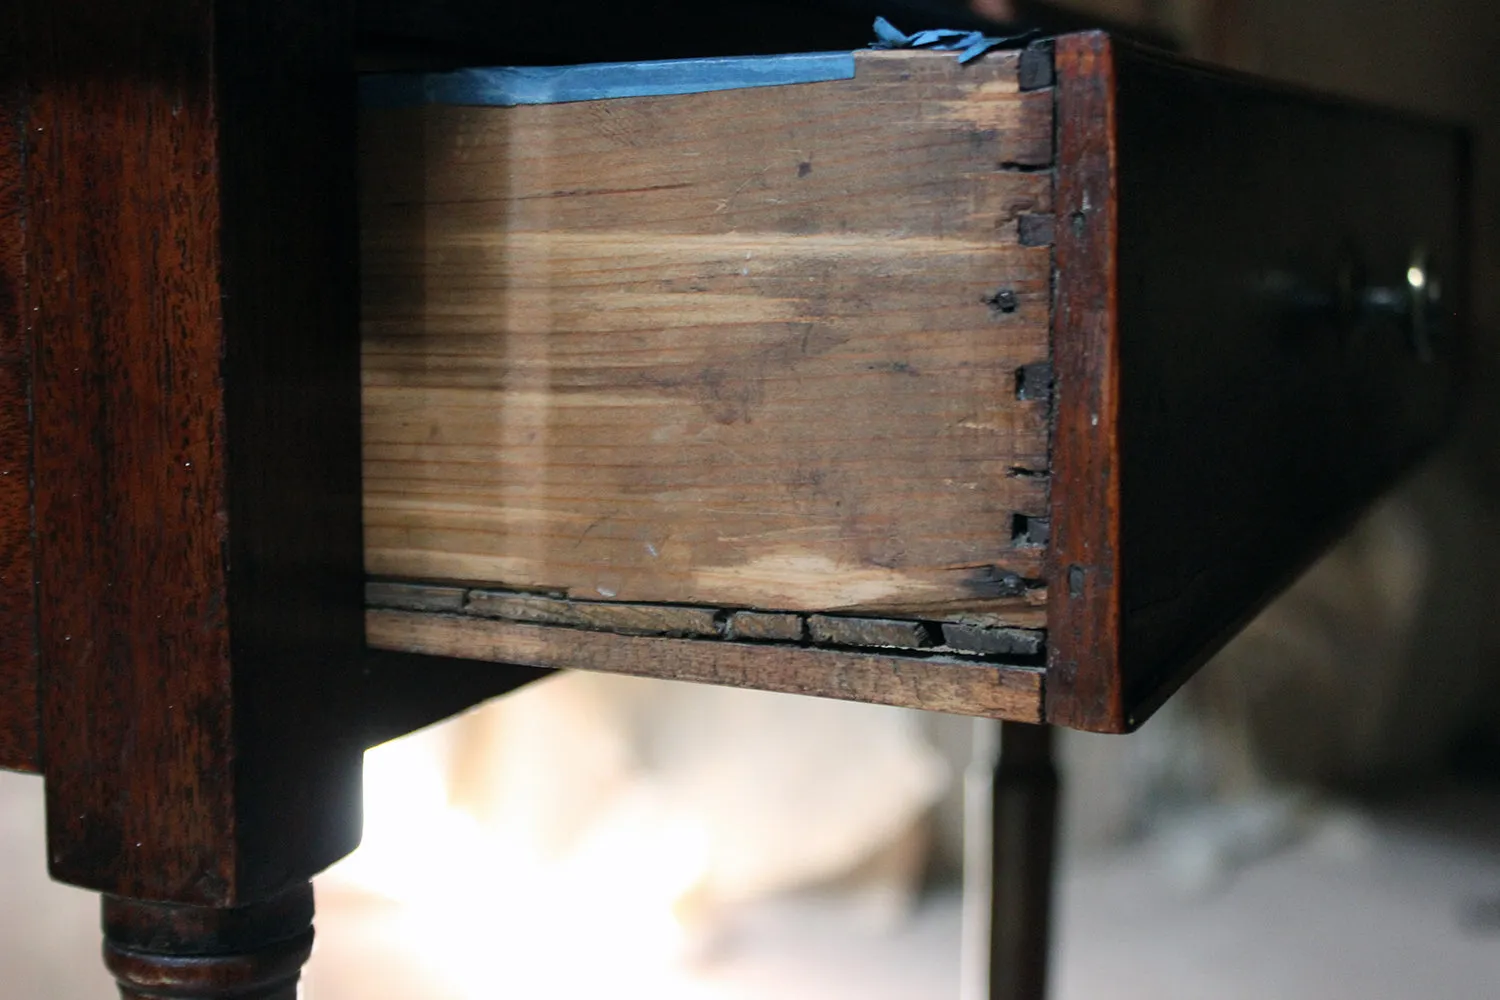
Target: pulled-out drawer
{"x": 1008, "y": 388}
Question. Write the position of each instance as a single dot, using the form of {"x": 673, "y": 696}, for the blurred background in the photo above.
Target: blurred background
{"x": 1317, "y": 816}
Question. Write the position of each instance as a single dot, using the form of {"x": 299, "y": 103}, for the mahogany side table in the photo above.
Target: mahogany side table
{"x": 1076, "y": 353}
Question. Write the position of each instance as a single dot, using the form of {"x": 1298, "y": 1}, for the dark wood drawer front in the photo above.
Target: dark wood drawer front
{"x": 1271, "y": 376}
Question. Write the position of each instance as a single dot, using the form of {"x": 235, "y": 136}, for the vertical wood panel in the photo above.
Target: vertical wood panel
{"x": 1083, "y": 611}
{"x": 191, "y": 246}
{"x": 1316, "y": 410}
{"x": 290, "y": 244}
{"x": 18, "y": 688}
{"x": 131, "y": 512}
{"x": 1224, "y": 411}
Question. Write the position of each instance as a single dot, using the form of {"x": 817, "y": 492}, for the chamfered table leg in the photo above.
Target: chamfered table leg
{"x": 255, "y": 952}
{"x": 1025, "y": 826}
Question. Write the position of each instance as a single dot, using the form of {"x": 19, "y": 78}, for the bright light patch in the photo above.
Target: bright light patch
{"x": 501, "y": 916}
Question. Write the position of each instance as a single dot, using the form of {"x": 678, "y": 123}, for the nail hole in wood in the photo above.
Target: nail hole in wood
{"x": 1003, "y": 301}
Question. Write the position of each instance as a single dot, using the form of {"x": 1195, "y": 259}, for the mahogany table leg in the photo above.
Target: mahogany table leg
{"x": 191, "y": 303}
{"x": 162, "y": 950}
{"x": 1025, "y": 824}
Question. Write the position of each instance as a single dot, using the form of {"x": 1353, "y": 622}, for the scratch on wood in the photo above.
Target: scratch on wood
{"x": 413, "y": 596}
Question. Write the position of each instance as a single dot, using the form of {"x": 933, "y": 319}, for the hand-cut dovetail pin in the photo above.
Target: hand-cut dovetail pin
{"x": 1028, "y": 531}
{"x": 1034, "y": 382}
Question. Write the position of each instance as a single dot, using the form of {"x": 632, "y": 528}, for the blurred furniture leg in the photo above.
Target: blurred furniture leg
{"x": 254, "y": 952}
{"x": 1025, "y": 824}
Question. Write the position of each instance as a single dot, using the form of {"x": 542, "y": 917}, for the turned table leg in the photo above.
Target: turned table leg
{"x": 1025, "y": 824}
{"x": 161, "y": 950}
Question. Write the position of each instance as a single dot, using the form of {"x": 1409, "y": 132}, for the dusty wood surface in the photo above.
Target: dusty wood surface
{"x": 645, "y": 619}
{"x": 766, "y": 627}
{"x": 734, "y": 348}
{"x": 937, "y": 684}
{"x": 994, "y": 641}
{"x": 1013, "y": 646}
{"x": 866, "y": 632}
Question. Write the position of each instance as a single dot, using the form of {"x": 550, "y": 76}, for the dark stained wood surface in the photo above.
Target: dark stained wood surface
{"x": 197, "y": 953}
{"x": 19, "y": 716}
{"x": 1083, "y": 609}
{"x": 1023, "y": 802}
{"x": 190, "y": 192}
{"x": 289, "y": 238}
{"x": 1255, "y": 412}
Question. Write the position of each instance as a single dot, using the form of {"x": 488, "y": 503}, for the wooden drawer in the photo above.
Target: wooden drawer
{"x": 1008, "y": 388}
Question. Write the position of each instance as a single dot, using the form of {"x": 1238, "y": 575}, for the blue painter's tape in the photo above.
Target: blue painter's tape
{"x": 969, "y": 45}
{"x": 508, "y": 86}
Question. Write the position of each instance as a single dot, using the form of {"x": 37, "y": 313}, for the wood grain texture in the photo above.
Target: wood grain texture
{"x": 191, "y": 246}
{"x": 1083, "y": 610}
{"x": 729, "y": 349}
{"x": 1247, "y": 409}
{"x": 936, "y": 684}
{"x": 19, "y": 712}
{"x": 108, "y": 473}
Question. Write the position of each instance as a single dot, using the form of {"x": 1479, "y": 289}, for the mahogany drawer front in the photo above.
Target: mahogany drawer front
{"x": 1006, "y": 388}
{"x": 1272, "y": 377}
